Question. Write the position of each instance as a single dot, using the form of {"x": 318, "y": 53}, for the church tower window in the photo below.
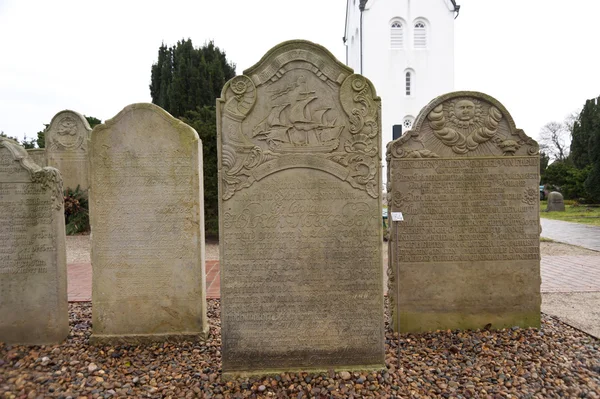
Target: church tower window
{"x": 420, "y": 35}
{"x": 408, "y": 83}
{"x": 396, "y": 35}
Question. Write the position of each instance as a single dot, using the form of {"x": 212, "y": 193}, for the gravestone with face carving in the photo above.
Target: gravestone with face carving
{"x": 466, "y": 254}
{"x": 33, "y": 271}
{"x": 300, "y": 215}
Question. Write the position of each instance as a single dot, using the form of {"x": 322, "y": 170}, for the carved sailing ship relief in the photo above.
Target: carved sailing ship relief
{"x": 297, "y": 127}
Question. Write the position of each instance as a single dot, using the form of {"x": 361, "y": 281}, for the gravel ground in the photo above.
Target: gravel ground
{"x": 555, "y": 361}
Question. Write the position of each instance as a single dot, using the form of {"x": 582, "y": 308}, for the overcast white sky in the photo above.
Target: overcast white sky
{"x": 538, "y": 57}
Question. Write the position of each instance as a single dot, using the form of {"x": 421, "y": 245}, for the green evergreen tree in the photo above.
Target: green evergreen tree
{"x": 186, "y": 82}
{"x": 586, "y": 124}
{"x": 92, "y": 121}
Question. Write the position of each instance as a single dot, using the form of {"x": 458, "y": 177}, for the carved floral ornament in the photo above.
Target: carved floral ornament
{"x": 463, "y": 121}
{"x": 297, "y": 133}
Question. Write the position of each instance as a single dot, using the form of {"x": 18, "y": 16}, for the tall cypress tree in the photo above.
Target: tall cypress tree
{"x": 186, "y": 82}
{"x": 583, "y": 130}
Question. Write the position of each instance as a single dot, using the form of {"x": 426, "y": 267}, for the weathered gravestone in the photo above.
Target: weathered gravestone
{"x": 300, "y": 215}
{"x": 556, "y": 202}
{"x": 67, "y": 148}
{"x": 33, "y": 271}
{"x": 38, "y": 156}
{"x": 147, "y": 219}
{"x": 467, "y": 254}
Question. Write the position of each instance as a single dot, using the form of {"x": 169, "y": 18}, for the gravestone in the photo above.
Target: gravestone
{"x": 38, "y": 156}
{"x": 556, "y": 202}
{"x": 300, "y": 215}
{"x": 466, "y": 254}
{"x": 147, "y": 220}
{"x": 67, "y": 148}
{"x": 33, "y": 271}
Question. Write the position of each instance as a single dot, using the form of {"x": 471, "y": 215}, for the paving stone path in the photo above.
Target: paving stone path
{"x": 572, "y": 233}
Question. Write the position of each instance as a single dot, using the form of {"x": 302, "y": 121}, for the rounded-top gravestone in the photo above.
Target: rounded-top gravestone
{"x": 67, "y": 148}
{"x": 556, "y": 202}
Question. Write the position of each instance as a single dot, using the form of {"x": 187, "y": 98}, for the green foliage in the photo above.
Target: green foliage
{"x": 186, "y": 82}
{"x": 77, "y": 219}
{"x": 584, "y": 128}
{"x": 25, "y": 143}
{"x": 92, "y": 121}
{"x": 41, "y": 136}
{"x": 204, "y": 121}
{"x": 566, "y": 178}
{"x": 185, "y": 78}
{"x": 544, "y": 160}
{"x": 2, "y": 134}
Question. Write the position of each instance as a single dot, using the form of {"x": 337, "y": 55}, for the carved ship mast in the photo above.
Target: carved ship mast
{"x": 298, "y": 130}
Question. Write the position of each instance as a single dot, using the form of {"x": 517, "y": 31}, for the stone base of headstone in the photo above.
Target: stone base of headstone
{"x": 134, "y": 339}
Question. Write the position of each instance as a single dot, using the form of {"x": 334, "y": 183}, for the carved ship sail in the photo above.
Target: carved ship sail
{"x": 301, "y": 131}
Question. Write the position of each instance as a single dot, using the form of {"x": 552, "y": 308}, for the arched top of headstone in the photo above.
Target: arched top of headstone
{"x": 463, "y": 124}
{"x": 185, "y": 131}
{"x": 48, "y": 177}
{"x": 315, "y": 57}
{"x": 68, "y": 130}
{"x": 299, "y": 107}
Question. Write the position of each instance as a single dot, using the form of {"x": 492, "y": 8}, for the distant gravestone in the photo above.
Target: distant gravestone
{"x": 67, "y": 148}
{"x": 466, "y": 254}
{"x": 300, "y": 215}
{"x": 33, "y": 272}
{"x": 38, "y": 156}
{"x": 147, "y": 220}
{"x": 556, "y": 202}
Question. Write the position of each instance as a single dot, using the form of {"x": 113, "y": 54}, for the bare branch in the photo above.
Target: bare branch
{"x": 555, "y": 139}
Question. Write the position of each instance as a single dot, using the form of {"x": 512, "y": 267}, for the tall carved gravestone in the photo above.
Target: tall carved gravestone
{"x": 467, "y": 252}
{"x": 300, "y": 215}
{"x": 67, "y": 148}
{"x": 33, "y": 271}
{"x": 147, "y": 219}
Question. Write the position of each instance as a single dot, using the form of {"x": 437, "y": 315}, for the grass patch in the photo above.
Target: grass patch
{"x": 574, "y": 212}
{"x": 544, "y": 239}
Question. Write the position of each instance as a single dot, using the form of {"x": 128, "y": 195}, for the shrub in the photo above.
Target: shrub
{"x": 77, "y": 217}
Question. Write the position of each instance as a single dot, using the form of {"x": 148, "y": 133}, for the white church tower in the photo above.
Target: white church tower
{"x": 406, "y": 48}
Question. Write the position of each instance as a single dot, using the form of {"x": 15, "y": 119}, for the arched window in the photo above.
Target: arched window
{"x": 408, "y": 83}
{"x": 407, "y": 123}
{"x": 396, "y": 35}
{"x": 420, "y": 35}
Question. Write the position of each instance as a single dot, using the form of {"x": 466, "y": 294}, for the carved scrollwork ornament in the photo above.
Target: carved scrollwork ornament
{"x": 241, "y": 98}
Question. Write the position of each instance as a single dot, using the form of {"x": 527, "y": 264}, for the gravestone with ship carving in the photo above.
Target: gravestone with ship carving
{"x": 300, "y": 215}
{"x": 147, "y": 219}
{"x": 67, "y": 148}
{"x": 466, "y": 254}
{"x": 33, "y": 271}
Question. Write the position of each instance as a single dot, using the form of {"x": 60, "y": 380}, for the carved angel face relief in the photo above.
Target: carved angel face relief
{"x": 464, "y": 110}
{"x": 464, "y": 124}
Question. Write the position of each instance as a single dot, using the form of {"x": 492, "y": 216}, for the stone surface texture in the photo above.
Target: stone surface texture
{"x": 147, "y": 219}
{"x": 556, "y": 202}
{"x": 67, "y": 148}
{"x": 33, "y": 274}
{"x": 38, "y": 156}
{"x": 467, "y": 254}
{"x": 300, "y": 215}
